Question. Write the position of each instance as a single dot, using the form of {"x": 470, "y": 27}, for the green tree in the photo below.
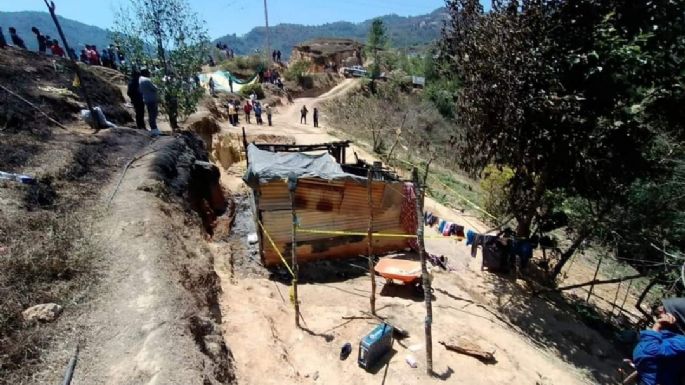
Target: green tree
{"x": 376, "y": 42}
{"x": 577, "y": 98}
{"x": 167, "y": 36}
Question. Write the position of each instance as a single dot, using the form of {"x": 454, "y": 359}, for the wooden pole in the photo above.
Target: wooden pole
{"x": 372, "y": 298}
{"x": 424, "y": 271}
{"x": 625, "y": 298}
{"x": 594, "y": 278}
{"x": 77, "y": 69}
{"x": 292, "y": 186}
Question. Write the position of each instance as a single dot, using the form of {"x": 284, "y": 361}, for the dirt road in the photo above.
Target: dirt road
{"x": 534, "y": 343}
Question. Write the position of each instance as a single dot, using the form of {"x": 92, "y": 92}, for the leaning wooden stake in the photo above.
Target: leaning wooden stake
{"x": 424, "y": 270}
{"x": 372, "y": 298}
{"x": 77, "y": 69}
{"x": 292, "y": 185}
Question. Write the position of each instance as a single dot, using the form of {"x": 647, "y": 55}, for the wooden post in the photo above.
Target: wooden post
{"x": 594, "y": 278}
{"x": 77, "y": 69}
{"x": 372, "y": 298}
{"x": 292, "y": 186}
{"x": 623, "y": 303}
{"x": 424, "y": 271}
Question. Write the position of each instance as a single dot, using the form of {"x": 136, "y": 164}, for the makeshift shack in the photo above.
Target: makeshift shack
{"x": 330, "y": 197}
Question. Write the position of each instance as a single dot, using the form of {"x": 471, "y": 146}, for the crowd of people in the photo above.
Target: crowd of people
{"x": 251, "y": 106}
{"x": 46, "y": 44}
{"x": 112, "y": 56}
{"x": 228, "y": 52}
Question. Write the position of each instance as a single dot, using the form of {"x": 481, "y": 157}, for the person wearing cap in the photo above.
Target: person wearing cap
{"x": 659, "y": 355}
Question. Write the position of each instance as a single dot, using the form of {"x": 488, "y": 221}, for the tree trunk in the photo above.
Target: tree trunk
{"x": 565, "y": 256}
{"x": 643, "y": 295}
{"x": 292, "y": 185}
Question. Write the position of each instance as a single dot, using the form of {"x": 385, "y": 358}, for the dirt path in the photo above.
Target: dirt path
{"x": 148, "y": 318}
{"x": 534, "y": 343}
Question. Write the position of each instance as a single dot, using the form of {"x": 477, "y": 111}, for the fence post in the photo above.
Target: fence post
{"x": 372, "y": 298}
{"x": 424, "y": 271}
{"x": 292, "y": 186}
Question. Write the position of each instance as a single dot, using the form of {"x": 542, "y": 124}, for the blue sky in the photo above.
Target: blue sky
{"x": 240, "y": 16}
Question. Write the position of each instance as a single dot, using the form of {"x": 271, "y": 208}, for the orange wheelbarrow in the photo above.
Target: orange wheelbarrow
{"x": 400, "y": 271}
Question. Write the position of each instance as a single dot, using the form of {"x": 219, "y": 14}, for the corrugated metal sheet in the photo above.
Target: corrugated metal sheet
{"x": 330, "y": 205}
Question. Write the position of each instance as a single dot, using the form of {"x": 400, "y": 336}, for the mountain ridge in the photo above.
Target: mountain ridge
{"x": 403, "y": 31}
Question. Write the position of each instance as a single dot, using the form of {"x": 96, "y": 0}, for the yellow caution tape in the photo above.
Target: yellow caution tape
{"x": 375, "y": 235}
{"x": 276, "y": 248}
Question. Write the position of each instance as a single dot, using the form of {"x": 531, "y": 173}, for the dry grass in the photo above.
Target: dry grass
{"x": 45, "y": 257}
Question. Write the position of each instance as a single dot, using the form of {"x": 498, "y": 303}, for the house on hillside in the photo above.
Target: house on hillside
{"x": 331, "y": 198}
{"x": 329, "y": 52}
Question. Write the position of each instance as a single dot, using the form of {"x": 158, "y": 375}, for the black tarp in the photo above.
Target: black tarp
{"x": 265, "y": 166}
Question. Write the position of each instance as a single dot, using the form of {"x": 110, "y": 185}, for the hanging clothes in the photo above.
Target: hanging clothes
{"x": 441, "y": 226}
{"x": 446, "y": 229}
{"x": 408, "y": 216}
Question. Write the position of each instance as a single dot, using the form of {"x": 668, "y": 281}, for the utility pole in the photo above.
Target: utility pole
{"x": 268, "y": 46}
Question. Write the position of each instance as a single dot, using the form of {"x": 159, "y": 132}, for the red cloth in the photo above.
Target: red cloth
{"x": 247, "y": 108}
{"x": 408, "y": 217}
{"x": 57, "y": 50}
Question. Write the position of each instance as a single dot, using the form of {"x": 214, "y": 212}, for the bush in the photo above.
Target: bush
{"x": 495, "y": 186}
{"x": 243, "y": 65}
{"x": 296, "y": 71}
{"x": 247, "y": 90}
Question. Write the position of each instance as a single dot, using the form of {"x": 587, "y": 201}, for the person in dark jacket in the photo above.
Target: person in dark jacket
{"x": 3, "y": 42}
{"x": 16, "y": 40}
{"x": 659, "y": 355}
{"x": 136, "y": 97}
{"x": 40, "y": 38}
{"x": 315, "y": 117}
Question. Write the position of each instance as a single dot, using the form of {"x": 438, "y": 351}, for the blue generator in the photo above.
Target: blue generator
{"x": 375, "y": 345}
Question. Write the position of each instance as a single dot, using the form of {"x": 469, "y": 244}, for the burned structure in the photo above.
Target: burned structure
{"x": 331, "y": 201}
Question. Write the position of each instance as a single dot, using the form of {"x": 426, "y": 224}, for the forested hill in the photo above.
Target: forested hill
{"x": 78, "y": 34}
{"x": 403, "y": 31}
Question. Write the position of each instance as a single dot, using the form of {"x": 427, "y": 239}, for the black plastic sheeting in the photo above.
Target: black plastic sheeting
{"x": 265, "y": 166}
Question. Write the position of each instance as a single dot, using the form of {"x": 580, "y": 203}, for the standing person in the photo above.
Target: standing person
{"x": 231, "y": 110}
{"x": 136, "y": 97}
{"x": 247, "y": 108}
{"x": 303, "y": 114}
{"x": 84, "y": 56}
{"x": 3, "y": 42}
{"x": 98, "y": 59}
{"x": 267, "y": 109}
{"x": 230, "y": 83}
{"x": 211, "y": 86}
{"x": 258, "y": 113}
{"x": 278, "y": 55}
{"x": 315, "y": 117}
{"x": 40, "y": 38}
{"x": 112, "y": 56}
{"x": 16, "y": 40}
{"x": 236, "y": 112}
{"x": 149, "y": 93}
{"x": 273, "y": 55}
{"x": 56, "y": 49}
{"x": 106, "y": 61}
{"x": 121, "y": 56}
